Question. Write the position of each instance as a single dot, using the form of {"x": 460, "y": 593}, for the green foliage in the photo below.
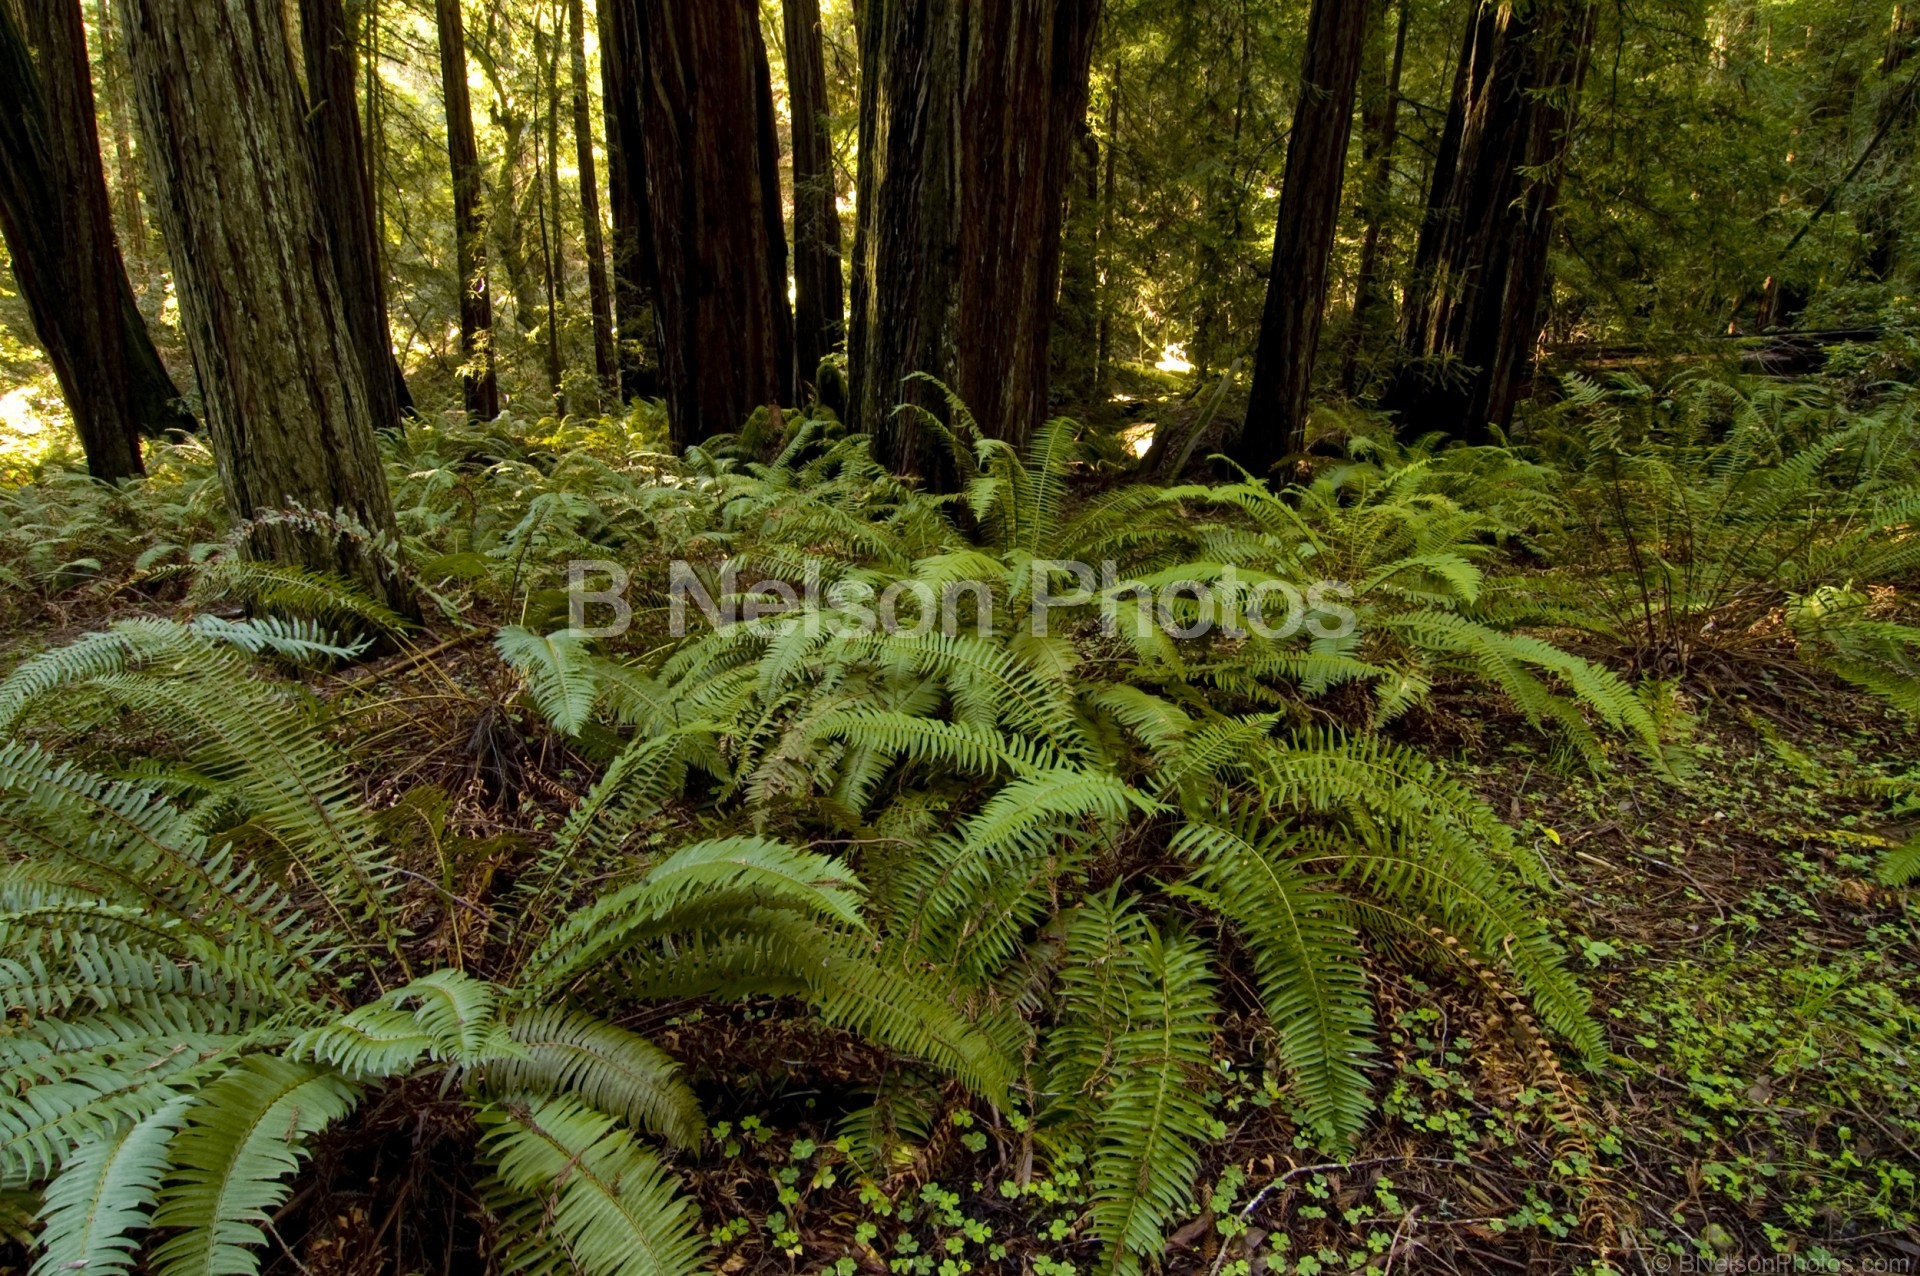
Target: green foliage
{"x": 1039, "y": 863}
{"x": 1142, "y": 1006}
{"x": 1713, "y": 525}
{"x": 196, "y": 999}
{"x": 559, "y": 677}
{"x": 241, "y": 1139}
{"x": 566, "y": 1169}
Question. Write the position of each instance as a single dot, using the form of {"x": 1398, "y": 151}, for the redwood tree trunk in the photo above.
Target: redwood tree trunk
{"x": 346, "y": 199}
{"x": 712, "y": 169}
{"x": 819, "y": 301}
{"x": 622, "y": 72}
{"x": 1380, "y": 124}
{"x": 58, "y": 223}
{"x": 1474, "y": 303}
{"x": 968, "y": 112}
{"x": 599, "y": 296}
{"x": 125, "y": 184}
{"x": 481, "y": 387}
{"x": 260, "y": 294}
{"x": 1282, "y": 393}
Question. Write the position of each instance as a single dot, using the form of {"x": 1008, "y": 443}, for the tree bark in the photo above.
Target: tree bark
{"x": 546, "y": 176}
{"x": 713, "y": 189}
{"x": 1074, "y": 353}
{"x": 58, "y": 223}
{"x": 1104, "y": 254}
{"x": 819, "y": 299}
{"x": 478, "y": 380}
{"x": 599, "y": 296}
{"x": 622, "y": 72}
{"x": 346, "y": 199}
{"x": 223, "y": 120}
{"x": 125, "y": 185}
{"x": 968, "y": 111}
{"x": 507, "y": 208}
{"x": 1282, "y": 394}
{"x": 1380, "y": 125}
{"x": 1474, "y": 303}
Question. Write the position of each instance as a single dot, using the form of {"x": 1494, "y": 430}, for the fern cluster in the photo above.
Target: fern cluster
{"x": 1020, "y": 800}
{"x": 206, "y": 969}
{"x": 1049, "y": 865}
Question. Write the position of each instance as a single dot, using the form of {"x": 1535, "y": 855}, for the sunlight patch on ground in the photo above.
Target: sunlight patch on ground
{"x": 28, "y": 431}
{"x": 1174, "y": 359}
{"x": 1139, "y": 438}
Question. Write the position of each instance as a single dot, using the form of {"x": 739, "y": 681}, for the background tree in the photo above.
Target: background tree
{"x": 623, "y": 73}
{"x": 599, "y": 293}
{"x": 345, "y": 187}
{"x": 819, "y": 300}
{"x": 968, "y": 113}
{"x": 265, "y": 310}
{"x": 479, "y": 380}
{"x": 713, "y": 191}
{"x": 59, "y": 227}
{"x": 1380, "y": 131}
{"x": 1282, "y": 394}
{"x": 1473, "y": 309}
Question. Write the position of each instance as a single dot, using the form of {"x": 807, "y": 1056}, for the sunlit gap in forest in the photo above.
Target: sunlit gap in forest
{"x": 922, "y": 637}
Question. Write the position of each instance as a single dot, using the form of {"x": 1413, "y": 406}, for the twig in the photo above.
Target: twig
{"x": 419, "y": 657}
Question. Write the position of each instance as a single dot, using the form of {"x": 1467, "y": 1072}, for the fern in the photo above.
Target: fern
{"x": 102, "y": 1199}
{"x": 1901, "y": 866}
{"x": 612, "y": 1205}
{"x": 1312, "y": 972}
{"x": 558, "y": 1050}
{"x": 1155, "y": 1031}
{"x": 558, "y": 671}
{"x": 243, "y": 1136}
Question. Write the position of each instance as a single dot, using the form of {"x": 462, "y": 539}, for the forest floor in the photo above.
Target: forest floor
{"x": 1760, "y": 993}
{"x": 1761, "y": 997}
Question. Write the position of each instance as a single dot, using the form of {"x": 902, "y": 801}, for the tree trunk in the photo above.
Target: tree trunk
{"x": 1380, "y": 124}
{"x": 58, "y": 223}
{"x": 819, "y": 300}
{"x": 1903, "y": 35}
{"x": 968, "y": 111}
{"x": 622, "y": 72}
{"x": 546, "y": 176}
{"x": 126, "y": 181}
{"x": 346, "y": 199}
{"x": 1282, "y": 393}
{"x": 1074, "y": 354}
{"x": 1104, "y": 254}
{"x": 1474, "y": 302}
{"x": 477, "y": 378}
{"x": 260, "y": 294}
{"x": 507, "y": 208}
{"x": 599, "y": 297}
{"x": 713, "y": 187}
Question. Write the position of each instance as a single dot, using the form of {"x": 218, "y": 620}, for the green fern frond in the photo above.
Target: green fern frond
{"x": 299, "y": 641}
{"x": 1465, "y": 894}
{"x": 1312, "y": 971}
{"x": 563, "y": 1051}
{"x": 97, "y": 1208}
{"x": 559, "y": 674}
{"x": 611, "y": 1204}
{"x": 283, "y": 587}
{"x": 243, "y": 1137}
{"x": 1149, "y": 1118}
{"x": 770, "y": 873}
{"x": 1901, "y": 866}
{"x": 447, "y": 1016}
